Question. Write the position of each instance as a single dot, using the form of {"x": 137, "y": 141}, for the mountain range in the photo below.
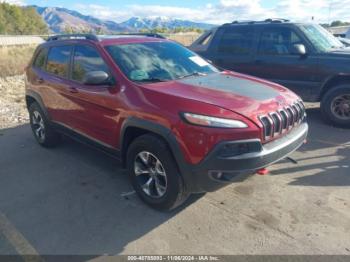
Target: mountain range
{"x": 61, "y": 20}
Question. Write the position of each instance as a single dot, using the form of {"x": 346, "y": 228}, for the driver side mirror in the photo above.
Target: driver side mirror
{"x": 97, "y": 78}
{"x": 299, "y": 49}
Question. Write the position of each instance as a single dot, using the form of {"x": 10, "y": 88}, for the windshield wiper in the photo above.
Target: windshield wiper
{"x": 193, "y": 74}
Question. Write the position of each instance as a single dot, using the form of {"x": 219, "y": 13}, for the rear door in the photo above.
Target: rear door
{"x": 233, "y": 47}
{"x": 54, "y": 83}
{"x": 275, "y": 60}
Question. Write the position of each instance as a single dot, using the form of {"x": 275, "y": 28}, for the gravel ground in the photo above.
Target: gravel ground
{"x": 13, "y": 110}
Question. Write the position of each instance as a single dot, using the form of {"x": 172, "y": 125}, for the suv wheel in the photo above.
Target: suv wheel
{"x": 335, "y": 105}
{"x": 41, "y": 128}
{"x": 154, "y": 173}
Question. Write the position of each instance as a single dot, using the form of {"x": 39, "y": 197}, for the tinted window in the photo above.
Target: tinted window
{"x": 40, "y": 59}
{"x": 86, "y": 59}
{"x": 58, "y": 60}
{"x": 236, "y": 40}
{"x": 278, "y": 41}
{"x": 206, "y": 39}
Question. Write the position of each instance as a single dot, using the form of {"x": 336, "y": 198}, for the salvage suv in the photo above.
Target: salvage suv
{"x": 178, "y": 124}
{"x": 304, "y": 57}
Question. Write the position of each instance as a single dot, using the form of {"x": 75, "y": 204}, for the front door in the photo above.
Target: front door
{"x": 96, "y": 113}
{"x": 276, "y": 62}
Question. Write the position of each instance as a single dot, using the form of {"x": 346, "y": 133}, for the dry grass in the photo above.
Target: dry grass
{"x": 13, "y": 59}
{"x": 186, "y": 39}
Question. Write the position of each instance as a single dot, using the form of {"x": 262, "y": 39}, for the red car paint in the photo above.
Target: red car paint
{"x": 99, "y": 112}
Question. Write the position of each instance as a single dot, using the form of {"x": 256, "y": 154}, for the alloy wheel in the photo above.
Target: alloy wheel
{"x": 340, "y": 106}
{"x": 38, "y": 125}
{"x": 150, "y": 174}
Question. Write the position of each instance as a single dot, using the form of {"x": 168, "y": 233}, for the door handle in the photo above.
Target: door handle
{"x": 73, "y": 90}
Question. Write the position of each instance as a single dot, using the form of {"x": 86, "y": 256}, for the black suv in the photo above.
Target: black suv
{"x": 304, "y": 57}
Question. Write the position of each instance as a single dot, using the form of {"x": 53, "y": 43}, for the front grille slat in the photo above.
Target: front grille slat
{"x": 281, "y": 121}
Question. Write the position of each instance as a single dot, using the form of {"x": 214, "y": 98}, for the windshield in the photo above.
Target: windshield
{"x": 320, "y": 37}
{"x": 158, "y": 61}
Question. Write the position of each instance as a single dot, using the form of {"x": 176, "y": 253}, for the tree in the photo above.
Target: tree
{"x": 339, "y": 23}
{"x": 20, "y": 20}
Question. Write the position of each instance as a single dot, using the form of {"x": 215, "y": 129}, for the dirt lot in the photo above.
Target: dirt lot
{"x": 75, "y": 200}
{"x": 12, "y": 104}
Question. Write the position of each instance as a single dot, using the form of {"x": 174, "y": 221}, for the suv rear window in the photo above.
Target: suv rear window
{"x": 39, "y": 61}
{"x": 236, "y": 40}
{"x": 58, "y": 60}
{"x": 86, "y": 59}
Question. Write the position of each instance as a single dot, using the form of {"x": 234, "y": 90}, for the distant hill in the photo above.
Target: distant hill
{"x": 138, "y": 23}
{"x": 61, "y": 20}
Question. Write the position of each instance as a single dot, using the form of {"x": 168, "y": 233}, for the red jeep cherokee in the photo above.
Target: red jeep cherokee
{"x": 177, "y": 123}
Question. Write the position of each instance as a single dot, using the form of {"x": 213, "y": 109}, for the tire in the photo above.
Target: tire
{"x": 154, "y": 173}
{"x": 335, "y": 105}
{"x": 44, "y": 134}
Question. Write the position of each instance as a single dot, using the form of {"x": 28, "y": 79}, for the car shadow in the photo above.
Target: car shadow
{"x": 324, "y": 142}
{"x": 71, "y": 199}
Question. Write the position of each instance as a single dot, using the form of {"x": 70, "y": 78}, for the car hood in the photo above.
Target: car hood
{"x": 243, "y": 94}
{"x": 345, "y": 52}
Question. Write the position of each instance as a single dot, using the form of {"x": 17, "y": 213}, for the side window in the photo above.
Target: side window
{"x": 39, "y": 61}
{"x": 58, "y": 60}
{"x": 237, "y": 41}
{"x": 206, "y": 39}
{"x": 278, "y": 41}
{"x": 86, "y": 59}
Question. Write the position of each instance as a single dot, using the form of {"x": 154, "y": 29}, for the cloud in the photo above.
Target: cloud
{"x": 15, "y": 2}
{"x": 230, "y": 10}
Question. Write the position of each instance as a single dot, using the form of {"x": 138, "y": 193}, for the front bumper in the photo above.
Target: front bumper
{"x": 217, "y": 170}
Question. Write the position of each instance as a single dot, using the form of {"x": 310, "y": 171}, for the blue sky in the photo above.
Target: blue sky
{"x": 211, "y": 11}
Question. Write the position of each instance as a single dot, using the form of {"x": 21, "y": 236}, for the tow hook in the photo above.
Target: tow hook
{"x": 262, "y": 172}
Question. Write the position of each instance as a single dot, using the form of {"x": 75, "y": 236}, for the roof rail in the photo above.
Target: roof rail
{"x": 96, "y": 38}
{"x": 276, "y": 20}
{"x": 73, "y": 36}
{"x": 155, "y": 35}
{"x": 270, "y": 20}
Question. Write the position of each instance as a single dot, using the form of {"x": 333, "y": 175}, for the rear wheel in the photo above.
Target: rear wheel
{"x": 154, "y": 174}
{"x": 335, "y": 105}
{"x": 44, "y": 134}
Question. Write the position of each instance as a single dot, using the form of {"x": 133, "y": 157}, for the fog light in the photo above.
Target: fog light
{"x": 216, "y": 174}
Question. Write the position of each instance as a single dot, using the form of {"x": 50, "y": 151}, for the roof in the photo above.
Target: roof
{"x": 263, "y": 22}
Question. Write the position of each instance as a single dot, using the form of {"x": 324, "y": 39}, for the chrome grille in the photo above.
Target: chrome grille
{"x": 276, "y": 123}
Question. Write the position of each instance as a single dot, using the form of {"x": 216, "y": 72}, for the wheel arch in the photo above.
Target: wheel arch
{"x": 334, "y": 81}
{"x": 134, "y": 127}
{"x": 34, "y": 97}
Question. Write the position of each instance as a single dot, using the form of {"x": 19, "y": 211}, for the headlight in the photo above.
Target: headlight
{"x": 209, "y": 121}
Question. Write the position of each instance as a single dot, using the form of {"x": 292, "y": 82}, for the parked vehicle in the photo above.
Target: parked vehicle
{"x": 344, "y": 41}
{"x": 304, "y": 57}
{"x": 178, "y": 124}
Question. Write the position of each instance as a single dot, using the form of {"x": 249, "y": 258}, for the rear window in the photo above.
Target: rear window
{"x": 206, "y": 39}
{"x": 237, "y": 41}
{"x": 58, "y": 60}
{"x": 40, "y": 59}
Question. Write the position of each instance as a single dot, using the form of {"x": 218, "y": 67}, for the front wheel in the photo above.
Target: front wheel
{"x": 335, "y": 105}
{"x": 154, "y": 174}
